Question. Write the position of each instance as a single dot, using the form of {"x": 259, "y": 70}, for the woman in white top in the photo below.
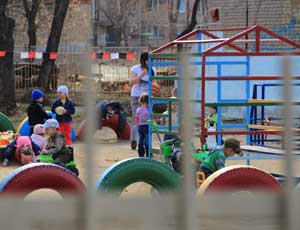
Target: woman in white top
{"x": 139, "y": 78}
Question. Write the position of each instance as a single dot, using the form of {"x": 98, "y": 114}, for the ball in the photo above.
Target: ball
{"x": 155, "y": 88}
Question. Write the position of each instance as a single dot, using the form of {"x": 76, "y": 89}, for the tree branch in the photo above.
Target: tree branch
{"x": 26, "y": 7}
{"x": 193, "y": 22}
{"x": 106, "y": 15}
{"x": 35, "y": 7}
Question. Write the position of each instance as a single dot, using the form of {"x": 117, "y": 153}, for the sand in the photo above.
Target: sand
{"x": 109, "y": 151}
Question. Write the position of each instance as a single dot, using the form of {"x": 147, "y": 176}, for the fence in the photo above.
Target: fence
{"x": 111, "y": 74}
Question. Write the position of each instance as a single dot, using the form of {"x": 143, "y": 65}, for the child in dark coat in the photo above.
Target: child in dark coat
{"x": 36, "y": 112}
{"x": 56, "y": 145}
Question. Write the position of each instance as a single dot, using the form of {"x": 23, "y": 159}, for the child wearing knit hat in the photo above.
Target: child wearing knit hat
{"x": 36, "y": 112}
{"x": 64, "y": 108}
{"x": 38, "y": 136}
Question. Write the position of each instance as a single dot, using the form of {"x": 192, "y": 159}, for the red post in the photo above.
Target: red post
{"x": 257, "y": 40}
{"x": 203, "y": 101}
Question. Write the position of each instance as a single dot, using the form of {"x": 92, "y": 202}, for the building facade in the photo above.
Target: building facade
{"x": 151, "y": 22}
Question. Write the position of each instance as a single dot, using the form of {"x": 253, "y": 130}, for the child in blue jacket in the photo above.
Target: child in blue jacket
{"x": 64, "y": 108}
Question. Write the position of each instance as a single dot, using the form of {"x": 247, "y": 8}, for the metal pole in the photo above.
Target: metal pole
{"x": 186, "y": 208}
{"x": 288, "y": 110}
{"x": 247, "y": 21}
{"x": 88, "y": 209}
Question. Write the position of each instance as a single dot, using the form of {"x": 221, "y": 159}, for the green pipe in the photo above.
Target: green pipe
{"x": 172, "y": 132}
{"x": 173, "y": 99}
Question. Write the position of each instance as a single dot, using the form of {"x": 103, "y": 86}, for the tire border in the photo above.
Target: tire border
{"x": 216, "y": 177}
{"x": 115, "y": 167}
{"x": 5, "y": 183}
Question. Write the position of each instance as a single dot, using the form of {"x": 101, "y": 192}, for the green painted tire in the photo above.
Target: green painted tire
{"x": 124, "y": 173}
{"x": 5, "y": 124}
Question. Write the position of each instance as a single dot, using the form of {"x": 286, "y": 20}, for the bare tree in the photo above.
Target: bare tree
{"x": 60, "y": 12}
{"x": 31, "y": 13}
{"x": 119, "y": 13}
{"x": 193, "y": 22}
{"x": 173, "y": 17}
{"x": 7, "y": 78}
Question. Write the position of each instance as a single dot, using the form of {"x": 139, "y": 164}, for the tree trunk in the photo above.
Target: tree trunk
{"x": 31, "y": 32}
{"x": 118, "y": 37}
{"x": 61, "y": 9}
{"x": 173, "y": 18}
{"x": 188, "y": 12}
{"x": 7, "y": 77}
{"x": 31, "y": 17}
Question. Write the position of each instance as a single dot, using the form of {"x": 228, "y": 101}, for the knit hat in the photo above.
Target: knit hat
{"x": 37, "y": 94}
{"x": 23, "y": 141}
{"x": 38, "y": 129}
{"x": 51, "y": 123}
{"x": 63, "y": 89}
{"x": 233, "y": 144}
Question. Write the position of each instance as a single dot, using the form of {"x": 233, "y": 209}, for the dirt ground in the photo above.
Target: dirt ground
{"x": 111, "y": 151}
{"x": 107, "y": 154}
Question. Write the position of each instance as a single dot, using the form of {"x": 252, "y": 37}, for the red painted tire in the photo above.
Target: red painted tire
{"x": 29, "y": 178}
{"x": 113, "y": 123}
{"x": 240, "y": 178}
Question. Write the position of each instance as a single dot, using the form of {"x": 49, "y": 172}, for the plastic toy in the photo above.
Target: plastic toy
{"x": 70, "y": 165}
{"x": 170, "y": 151}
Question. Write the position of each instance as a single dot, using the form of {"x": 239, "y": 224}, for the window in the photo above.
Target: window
{"x": 110, "y": 36}
{"x": 182, "y": 6}
{"x": 155, "y": 32}
{"x": 155, "y": 4}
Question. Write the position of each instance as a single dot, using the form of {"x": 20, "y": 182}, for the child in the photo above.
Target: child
{"x": 22, "y": 146}
{"x": 36, "y": 112}
{"x": 56, "y": 145}
{"x": 141, "y": 121}
{"x": 211, "y": 124}
{"x": 216, "y": 158}
{"x": 38, "y": 136}
{"x": 212, "y": 116}
{"x": 174, "y": 115}
{"x": 165, "y": 120}
{"x": 64, "y": 118}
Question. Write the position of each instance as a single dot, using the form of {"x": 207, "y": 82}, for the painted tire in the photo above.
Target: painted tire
{"x": 24, "y": 129}
{"x": 239, "y": 178}
{"x": 111, "y": 123}
{"x": 122, "y": 174}
{"x": 29, "y": 178}
{"x": 5, "y": 124}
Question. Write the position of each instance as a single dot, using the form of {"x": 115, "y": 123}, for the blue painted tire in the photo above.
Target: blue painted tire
{"x": 24, "y": 129}
{"x": 124, "y": 173}
{"x": 29, "y": 178}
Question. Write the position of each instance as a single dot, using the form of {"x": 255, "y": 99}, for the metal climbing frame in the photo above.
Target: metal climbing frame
{"x": 259, "y": 117}
{"x": 167, "y": 55}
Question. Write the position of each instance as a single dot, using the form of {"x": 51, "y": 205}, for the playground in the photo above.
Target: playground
{"x": 110, "y": 153}
{"x": 117, "y": 166}
{"x": 223, "y": 83}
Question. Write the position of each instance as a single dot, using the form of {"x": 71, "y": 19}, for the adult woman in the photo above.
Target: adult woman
{"x": 139, "y": 78}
